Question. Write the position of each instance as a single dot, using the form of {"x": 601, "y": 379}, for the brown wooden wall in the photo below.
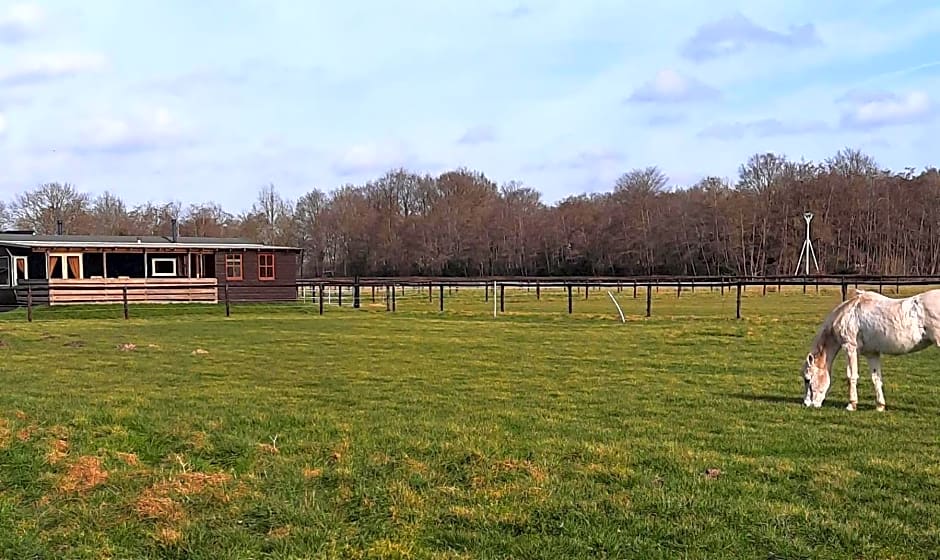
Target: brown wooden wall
{"x": 250, "y": 288}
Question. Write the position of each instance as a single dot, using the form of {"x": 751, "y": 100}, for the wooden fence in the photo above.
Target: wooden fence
{"x": 350, "y": 290}
{"x": 650, "y": 283}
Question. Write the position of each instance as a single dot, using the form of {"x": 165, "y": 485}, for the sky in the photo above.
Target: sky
{"x": 173, "y": 100}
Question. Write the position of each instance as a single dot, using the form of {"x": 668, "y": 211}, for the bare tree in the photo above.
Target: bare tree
{"x": 850, "y": 162}
{"x": 206, "y": 220}
{"x": 6, "y": 217}
{"x": 41, "y": 208}
{"x": 275, "y": 216}
{"x": 110, "y": 215}
{"x": 648, "y": 180}
{"x": 309, "y": 224}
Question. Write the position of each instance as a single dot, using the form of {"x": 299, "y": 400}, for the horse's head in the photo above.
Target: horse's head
{"x": 815, "y": 382}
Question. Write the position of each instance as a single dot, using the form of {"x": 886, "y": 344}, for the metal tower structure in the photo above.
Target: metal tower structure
{"x": 807, "y": 252}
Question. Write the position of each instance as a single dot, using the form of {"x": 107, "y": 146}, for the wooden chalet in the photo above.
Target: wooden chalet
{"x": 81, "y": 269}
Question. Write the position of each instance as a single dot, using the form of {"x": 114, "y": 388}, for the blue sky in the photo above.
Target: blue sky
{"x": 197, "y": 101}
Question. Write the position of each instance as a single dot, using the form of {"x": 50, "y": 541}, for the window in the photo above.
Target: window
{"x": 71, "y": 270}
{"x": 233, "y": 267}
{"x": 266, "y": 266}
{"x": 21, "y": 268}
{"x": 163, "y": 267}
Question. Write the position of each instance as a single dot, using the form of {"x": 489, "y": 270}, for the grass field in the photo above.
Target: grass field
{"x": 278, "y": 433}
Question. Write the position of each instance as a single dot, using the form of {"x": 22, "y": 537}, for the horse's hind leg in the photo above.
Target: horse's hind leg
{"x": 874, "y": 364}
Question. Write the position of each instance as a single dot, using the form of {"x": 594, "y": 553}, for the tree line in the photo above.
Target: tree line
{"x": 868, "y": 220}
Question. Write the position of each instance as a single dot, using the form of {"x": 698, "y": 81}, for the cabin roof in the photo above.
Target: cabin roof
{"x": 29, "y": 240}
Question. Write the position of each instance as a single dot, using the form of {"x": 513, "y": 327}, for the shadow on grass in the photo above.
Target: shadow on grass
{"x": 829, "y": 403}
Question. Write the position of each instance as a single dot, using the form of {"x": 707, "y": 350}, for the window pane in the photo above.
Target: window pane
{"x": 164, "y": 267}
{"x": 233, "y": 266}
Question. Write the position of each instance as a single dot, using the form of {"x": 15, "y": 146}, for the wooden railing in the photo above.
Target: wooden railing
{"x": 135, "y": 290}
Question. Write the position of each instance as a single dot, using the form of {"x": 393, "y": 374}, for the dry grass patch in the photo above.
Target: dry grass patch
{"x": 59, "y": 451}
{"x": 130, "y": 459}
{"x": 152, "y": 506}
{"x": 189, "y": 483}
{"x": 5, "y": 433}
{"x": 83, "y": 476}
{"x": 168, "y": 536}
{"x": 310, "y": 474}
{"x": 280, "y": 532}
{"x": 512, "y": 465}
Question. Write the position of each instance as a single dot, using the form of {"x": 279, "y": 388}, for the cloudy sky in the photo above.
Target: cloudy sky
{"x": 194, "y": 101}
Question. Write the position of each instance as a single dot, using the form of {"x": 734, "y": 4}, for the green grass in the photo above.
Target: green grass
{"x": 537, "y": 434}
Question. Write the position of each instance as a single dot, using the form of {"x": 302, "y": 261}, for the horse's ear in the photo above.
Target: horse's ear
{"x": 809, "y": 359}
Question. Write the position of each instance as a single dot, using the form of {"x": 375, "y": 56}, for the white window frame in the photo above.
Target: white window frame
{"x": 17, "y": 259}
{"x": 153, "y": 267}
{"x": 65, "y": 261}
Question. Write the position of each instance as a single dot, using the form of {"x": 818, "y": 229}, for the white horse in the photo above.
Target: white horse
{"x": 869, "y": 324}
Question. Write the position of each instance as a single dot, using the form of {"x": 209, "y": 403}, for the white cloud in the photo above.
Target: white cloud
{"x": 669, "y": 86}
{"x": 762, "y": 128}
{"x": 736, "y": 33}
{"x": 49, "y": 66}
{"x": 143, "y": 131}
{"x": 371, "y": 158}
{"x": 887, "y": 109}
{"x": 478, "y": 135}
{"x": 19, "y": 21}
{"x": 3, "y": 125}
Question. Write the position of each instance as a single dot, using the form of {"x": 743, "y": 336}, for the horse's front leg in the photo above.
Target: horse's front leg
{"x": 874, "y": 364}
{"x": 851, "y": 353}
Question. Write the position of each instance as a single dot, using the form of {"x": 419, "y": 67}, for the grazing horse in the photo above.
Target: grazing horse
{"x": 869, "y": 324}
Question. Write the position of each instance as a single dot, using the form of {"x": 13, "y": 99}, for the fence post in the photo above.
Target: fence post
{"x": 845, "y": 288}
{"x": 486, "y": 291}
{"x": 649, "y": 299}
{"x": 356, "y": 294}
{"x": 339, "y": 295}
{"x": 587, "y": 288}
{"x": 321, "y": 298}
{"x": 538, "y": 291}
{"x": 569, "y": 298}
{"x": 430, "y": 292}
{"x": 388, "y": 299}
{"x": 440, "y": 296}
{"x": 678, "y": 288}
{"x": 634, "y": 289}
{"x": 373, "y": 294}
{"x": 764, "y": 286}
{"x": 228, "y": 309}
{"x": 738, "y": 306}
{"x": 29, "y": 303}
{"x": 124, "y": 300}
{"x": 502, "y": 298}
{"x": 394, "y": 304}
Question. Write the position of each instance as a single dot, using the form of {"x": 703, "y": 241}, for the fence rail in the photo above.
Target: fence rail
{"x": 352, "y": 292}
